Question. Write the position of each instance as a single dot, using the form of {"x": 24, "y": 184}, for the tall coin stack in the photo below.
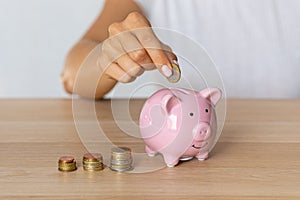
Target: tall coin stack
{"x": 92, "y": 162}
{"x": 66, "y": 164}
{"x": 121, "y": 159}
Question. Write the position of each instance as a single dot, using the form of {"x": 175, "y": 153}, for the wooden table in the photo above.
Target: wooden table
{"x": 257, "y": 156}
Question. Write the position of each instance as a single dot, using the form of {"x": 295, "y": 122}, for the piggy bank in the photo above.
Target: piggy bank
{"x": 180, "y": 123}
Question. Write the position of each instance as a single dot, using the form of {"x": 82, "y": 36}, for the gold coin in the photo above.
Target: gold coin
{"x": 90, "y": 157}
{"x": 176, "y": 74}
{"x": 93, "y": 168}
{"x": 67, "y": 169}
{"x": 92, "y": 163}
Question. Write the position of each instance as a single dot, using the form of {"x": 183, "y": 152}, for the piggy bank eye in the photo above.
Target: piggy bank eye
{"x": 206, "y": 110}
{"x": 191, "y": 114}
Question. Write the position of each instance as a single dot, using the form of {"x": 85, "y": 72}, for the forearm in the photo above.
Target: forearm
{"x": 85, "y": 80}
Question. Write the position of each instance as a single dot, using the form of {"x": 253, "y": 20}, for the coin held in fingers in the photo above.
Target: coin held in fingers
{"x": 176, "y": 74}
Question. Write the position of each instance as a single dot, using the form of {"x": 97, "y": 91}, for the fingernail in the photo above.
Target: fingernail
{"x": 175, "y": 62}
{"x": 166, "y": 70}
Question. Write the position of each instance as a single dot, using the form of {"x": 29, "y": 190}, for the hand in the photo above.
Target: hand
{"x": 132, "y": 48}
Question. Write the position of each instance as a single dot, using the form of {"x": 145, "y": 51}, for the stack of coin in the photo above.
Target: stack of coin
{"x": 92, "y": 162}
{"x": 66, "y": 164}
{"x": 121, "y": 159}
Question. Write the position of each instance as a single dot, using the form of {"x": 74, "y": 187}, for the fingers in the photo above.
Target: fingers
{"x": 129, "y": 66}
{"x": 168, "y": 51}
{"x": 149, "y": 42}
{"x": 135, "y": 50}
{"x": 117, "y": 73}
{"x": 136, "y": 20}
{"x": 114, "y": 53}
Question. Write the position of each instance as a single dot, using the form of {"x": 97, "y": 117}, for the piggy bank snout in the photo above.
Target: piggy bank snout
{"x": 202, "y": 132}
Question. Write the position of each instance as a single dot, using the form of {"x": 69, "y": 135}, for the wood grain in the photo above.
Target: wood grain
{"x": 257, "y": 156}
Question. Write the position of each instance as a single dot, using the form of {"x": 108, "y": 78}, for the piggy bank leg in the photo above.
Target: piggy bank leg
{"x": 202, "y": 156}
{"x": 150, "y": 152}
{"x": 171, "y": 161}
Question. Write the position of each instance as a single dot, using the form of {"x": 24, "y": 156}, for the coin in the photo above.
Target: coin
{"x": 66, "y": 164}
{"x": 176, "y": 74}
{"x": 121, "y": 162}
{"x": 120, "y": 150}
{"x": 92, "y": 157}
{"x": 92, "y": 162}
{"x": 121, "y": 159}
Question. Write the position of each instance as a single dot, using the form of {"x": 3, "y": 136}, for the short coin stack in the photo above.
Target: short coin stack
{"x": 67, "y": 164}
{"x": 92, "y": 162}
{"x": 121, "y": 159}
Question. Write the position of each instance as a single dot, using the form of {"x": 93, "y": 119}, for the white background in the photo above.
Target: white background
{"x": 254, "y": 43}
{"x": 35, "y": 36}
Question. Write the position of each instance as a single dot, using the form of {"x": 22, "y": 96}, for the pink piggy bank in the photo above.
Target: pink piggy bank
{"x": 180, "y": 123}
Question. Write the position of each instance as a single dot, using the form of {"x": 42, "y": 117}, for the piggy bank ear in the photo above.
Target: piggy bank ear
{"x": 168, "y": 102}
{"x": 212, "y": 94}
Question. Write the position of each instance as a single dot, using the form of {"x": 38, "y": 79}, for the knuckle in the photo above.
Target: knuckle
{"x": 136, "y": 71}
{"x": 149, "y": 66}
{"x": 139, "y": 55}
{"x": 126, "y": 78}
{"x": 114, "y": 28}
{"x": 148, "y": 39}
{"x": 137, "y": 17}
{"x": 110, "y": 49}
{"x": 134, "y": 16}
